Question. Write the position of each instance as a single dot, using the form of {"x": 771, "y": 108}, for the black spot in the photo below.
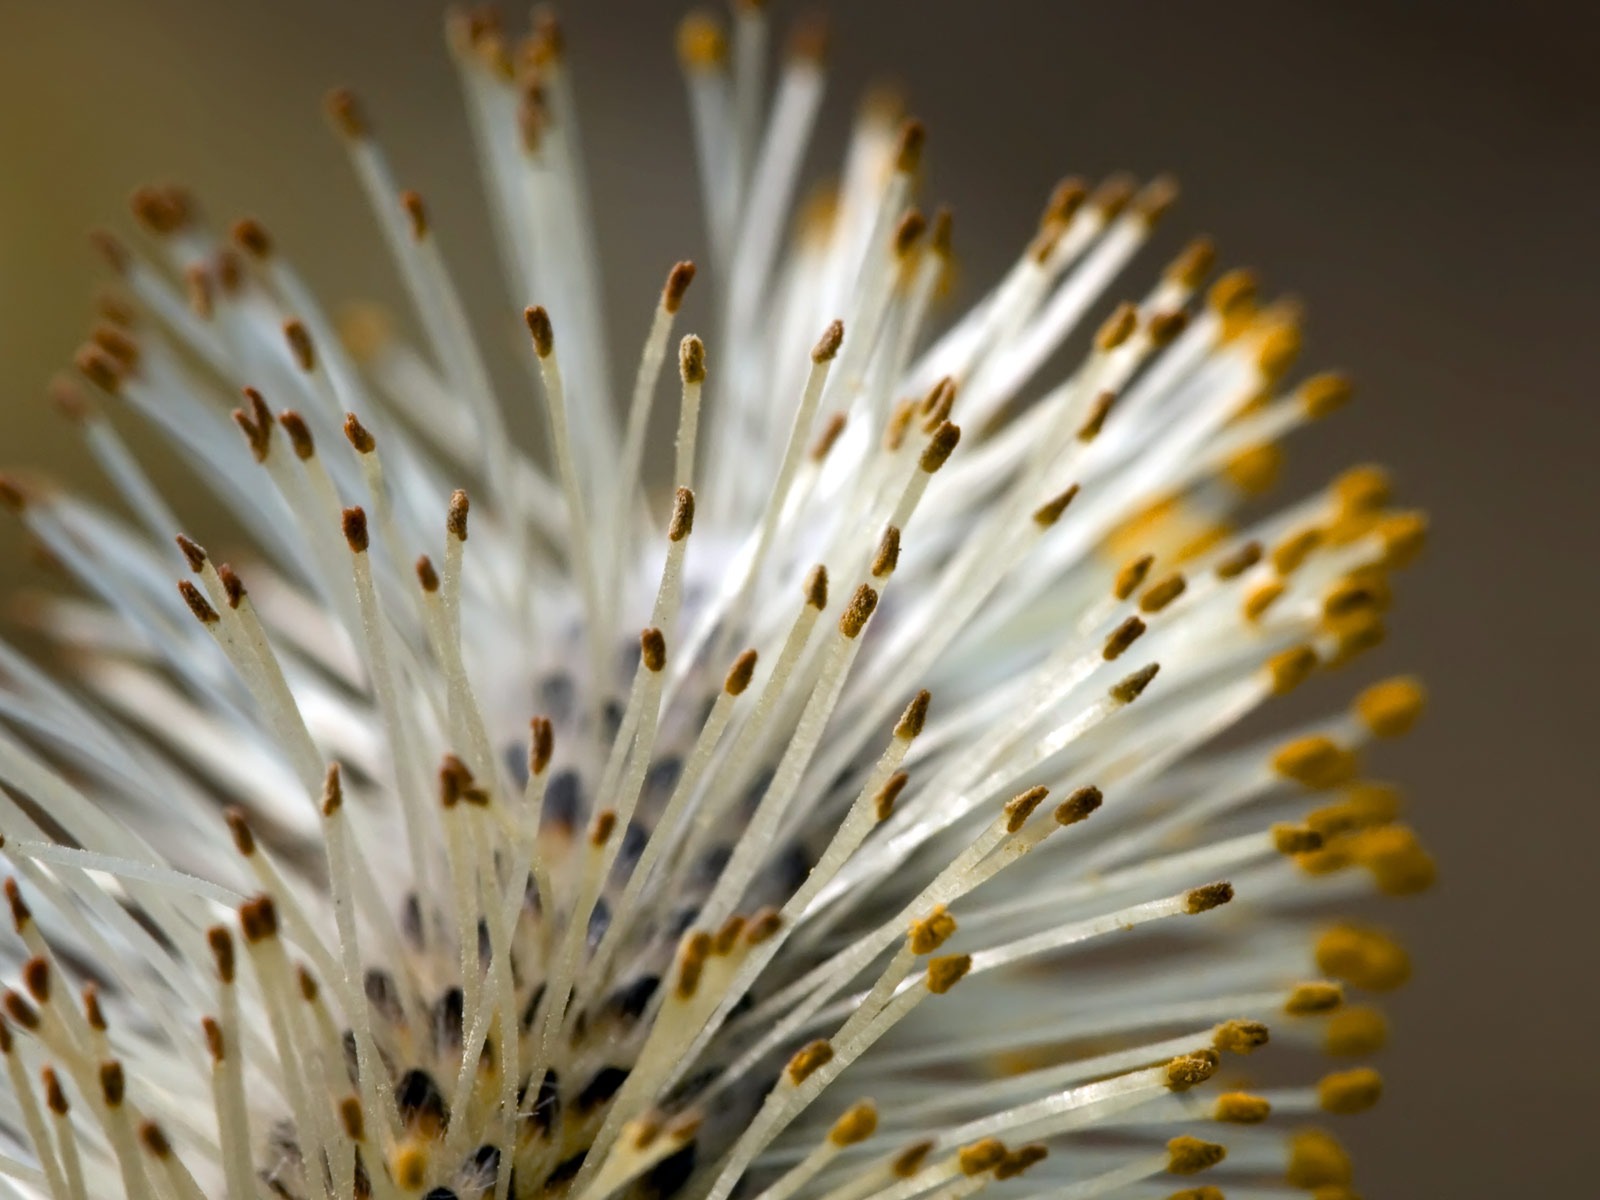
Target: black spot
{"x": 516, "y": 760}
{"x": 411, "y": 920}
{"x": 383, "y": 995}
{"x": 420, "y": 1100}
{"x": 563, "y": 802}
{"x": 531, "y": 1012}
{"x": 441, "y": 1193}
{"x": 758, "y": 789}
{"x": 485, "y": 946}
{"x": 611, "y": 719}
{"x": 634, "y": 840}
{"x": 599, "y": 922}
{"x": 631, "y": 999}
{"x": 486, "y": 1161}
{"x": 557, "y": 694}
{"x": 565, "y": 1171}
{"x": 709, "y": 867}
{"x": 668, "y": 1176}
{"x": 546, "y": 1105}
{"x": 448, "y": 1016}
{"x": 663, "y": 775}
{"x": 601, "y": 1088}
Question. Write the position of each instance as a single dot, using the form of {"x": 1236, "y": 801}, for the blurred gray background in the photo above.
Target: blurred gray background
{"x": 1423, "y": 173}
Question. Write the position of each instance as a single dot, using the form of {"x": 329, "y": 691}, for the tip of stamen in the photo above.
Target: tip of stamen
{"x": 653, "y": 647}
{"x": 357, "y": 435}
{"x": 816, "y": 587}
{"x": 858, "y": 1123}
{"x": 300, "y": 439}
{"x": 908, "y": 149}
{"x": 809, "y": 39}
{"x": 682, "y": 523}
{"x": 1204, "y": 899}
{"x": 456, "y": 516}
{"x": 827, "y": 347}
{"x": 1047, "y": 514}
{"x": 1131, "y": 688}
{"x": 939, "y": 448}
{"x": 678, "y": 281}
{"x": 198, "y": 604}
{"x": 544, "y": 337}
{"x": 915, "y": 716}
{"x": 692, "y": 359}
{"x": 1240, "y": 1037}
{"x": 541, "y": 744}
{"x": 887, "y": 555}
{"x": 702, "y": 42}
{"x": 945, "y": 972}
{"x": 1019, "y": 808}
{"x": 354, "y": 523}
{"x": 344, "y": 112}
{"x": 193, "y": 552}
{"x": 1191, "y": 1070}
{"x": 1117, "y": 328}
{"x": 740, "y": 674}
{"x": 1308, "y": 999}
{"x": 1079, "y": 806}
{"x": 1241, "y": 1108}
{"x": 1189, "y": 1155}
{"x": 858, "y": 611}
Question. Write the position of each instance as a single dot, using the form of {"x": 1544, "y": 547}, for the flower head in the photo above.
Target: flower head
{"x": 846, "y": 819}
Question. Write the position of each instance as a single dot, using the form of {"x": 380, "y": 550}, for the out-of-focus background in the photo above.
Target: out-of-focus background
{"x": 1423, "y": 173}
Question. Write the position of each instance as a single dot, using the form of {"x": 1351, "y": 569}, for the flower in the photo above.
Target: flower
{"x": 895, "y": 855}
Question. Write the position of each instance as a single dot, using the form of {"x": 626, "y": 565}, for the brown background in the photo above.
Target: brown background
{"x": 1425, "y": 174}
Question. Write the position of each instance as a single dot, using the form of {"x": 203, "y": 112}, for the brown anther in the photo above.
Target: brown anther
{"x": 455, "y": 519}
{"x": 1079, "y": 806}
{"x": 1113, "y": 194}
{"x": 540, "y": 329}
{"x": 427, "y": 575}
{"x": 1348, "y": 1092}
{"x": 908, "y": 148}
{"x": 859, "y": 1122}
{"x": 1240, "y": 561}
{"x": 678, "y": 281}
{"x": 1161, "y": 594}
{"x": 1050, "y": 512}
{"x": 100, "y": 368}
{"x": 1308, "y": 999}
{"x": 808, "y": 38}
{"x": 300, "y": 439}
{"x": 416, "y": 214}
{"x": 1290, "y": 668}
{"x": 1122, "y": 637}
{"x": 887, "y": 555}
{"x": 1193, "y": 264}
{"x": 113, "y": 1085}
{"x": 1289, "y": 554}
{"x": 827, "y": 347}
{"x": 653, "y": 649}
{"x": 1364, "y": 957}
{"x": 1295, "y": 839}
{"x": 21, "y": 914}
{"x": 1165, "y": 327}
{"x": 1191, "y": 1070}
{"x": 1317, "y": 1161}
{"x": 1131, "y": 576}
{"x": 908, "y": 233}
{"x": 764, "y": 925}
{"x": 111, "y": 249}
{"x": 93, "y": 1014}
{"x": 692, "y": 360}
{"x": 702, "y": 42}
{"x": 808, "y": 1060}
{"x": 682, "y": 523}
{"x": 939, "y": 448}
{"x": 54, "y": 1095}
{"x": 858, "y": 611}
{"x": 198, "y": 604}
{"x": 1017, "y": 1161}
{"x": 1155, "y": 199}
{"x": 1324, "y": 395}
{"x": 1260, "y": 599}
{"x": 541, "y": 744}
{"x": 36, "y": 978}
{"x": 308, "y": 985}
{"x": 1189, "y": 1155}
{"x": 1204, "y": 899}
{"x": 832, "y": 427}
{"x": 332, "y": 790}
{"x": 345, "y": 113}
{"x": 1066, "y": 198}
{"x": 193, "y": 552}
{"x": 221, "y": 943}
{"x": 1355, "y": 1032}
{"x": 947, "y": 971}
{"x": 602, "y": 827}
{"x": 739, "y": 675}
{"x": 1240, "y": 1037}
{"x": 351, "y": 1120}
{"x": 978, "y": 1157}
{"x": 1131, "y": 688}
{"x": 883, "y": 803}
{"x": 691, "y": 963}
{"x": 931, "y": 932}
{"x": 1019, "y": 808}
{"x": 1316, "y": 762}
{"x": 1095, "y": 421}
{"x": 258, "y": 918}
{"x": 816, "y": 587}
{"x": 356, "y": 434}
{"x": 1234, "y": 293}
{"x": 726, "y": 938}
{"x": 1241, "y": 1108}
{"x": 18, "y": 1010}
{"x": 1391, "y": 708}
{"x": 914, "y": 717}
{"x": 909, "y": 1161}
{"x": 251, "y": 236}
{"x": 1117, "y": 328}
{"x": 198, "y": 292}
{"x": 354, "y": 523}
